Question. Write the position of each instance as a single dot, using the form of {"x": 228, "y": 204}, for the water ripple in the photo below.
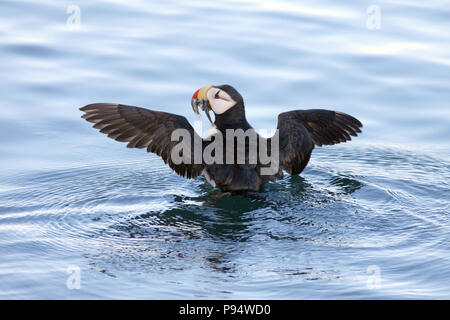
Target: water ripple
{"x": 69, "y": 196}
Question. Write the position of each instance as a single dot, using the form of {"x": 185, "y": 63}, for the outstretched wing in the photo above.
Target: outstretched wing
{"x": 143, "y": 128}
{"x": 329, "y": 127}
{"x": 300, "y": 130}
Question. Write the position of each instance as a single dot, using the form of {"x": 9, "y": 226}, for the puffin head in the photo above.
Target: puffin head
{"x": 219, "y": 99}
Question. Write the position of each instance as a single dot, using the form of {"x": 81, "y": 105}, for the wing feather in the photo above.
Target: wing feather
{"x": 295, "y": 143}
{"x": 300, "y": 130}
{"x": 143, "y": 128}
{"x": 329, "y": 127}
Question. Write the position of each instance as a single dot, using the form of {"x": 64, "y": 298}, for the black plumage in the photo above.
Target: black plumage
{"x": 299, "y": 131}
{"x": 143, "y": 128}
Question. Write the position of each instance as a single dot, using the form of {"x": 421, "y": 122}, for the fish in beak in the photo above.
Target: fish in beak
{"x": 199, "y": 99}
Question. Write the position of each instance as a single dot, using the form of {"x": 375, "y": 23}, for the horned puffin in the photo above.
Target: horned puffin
{"x": 298, "y": 132}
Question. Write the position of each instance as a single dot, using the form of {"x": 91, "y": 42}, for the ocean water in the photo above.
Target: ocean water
{"x": 81, "y": 216}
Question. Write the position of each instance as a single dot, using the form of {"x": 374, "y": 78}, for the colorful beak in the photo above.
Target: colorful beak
{"x": 199, "y": 99}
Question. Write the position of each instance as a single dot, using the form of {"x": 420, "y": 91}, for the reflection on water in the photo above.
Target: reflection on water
{"x": 348, "y": 184}
{"x": 71, "y": 197}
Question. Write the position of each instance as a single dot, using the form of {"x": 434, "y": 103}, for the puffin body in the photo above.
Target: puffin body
{"x": 236, "y": 177}
{"x": 290, "y": 149}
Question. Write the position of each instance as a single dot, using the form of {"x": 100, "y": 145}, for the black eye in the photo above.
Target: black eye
{"x": 216, "y": 96}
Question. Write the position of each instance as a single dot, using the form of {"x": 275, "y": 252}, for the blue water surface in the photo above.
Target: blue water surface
{"x": 81, "y": 216}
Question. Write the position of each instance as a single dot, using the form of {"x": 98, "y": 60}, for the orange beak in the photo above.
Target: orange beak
{"x": 199, "y": 99}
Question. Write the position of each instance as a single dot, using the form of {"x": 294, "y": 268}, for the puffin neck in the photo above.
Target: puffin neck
{"x": 232, "y": 118}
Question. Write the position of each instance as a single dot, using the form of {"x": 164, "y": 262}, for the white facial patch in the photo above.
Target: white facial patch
{"x": 219, "y": 100}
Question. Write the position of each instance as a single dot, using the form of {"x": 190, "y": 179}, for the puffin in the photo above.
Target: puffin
{"x": 236, "y": 169}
